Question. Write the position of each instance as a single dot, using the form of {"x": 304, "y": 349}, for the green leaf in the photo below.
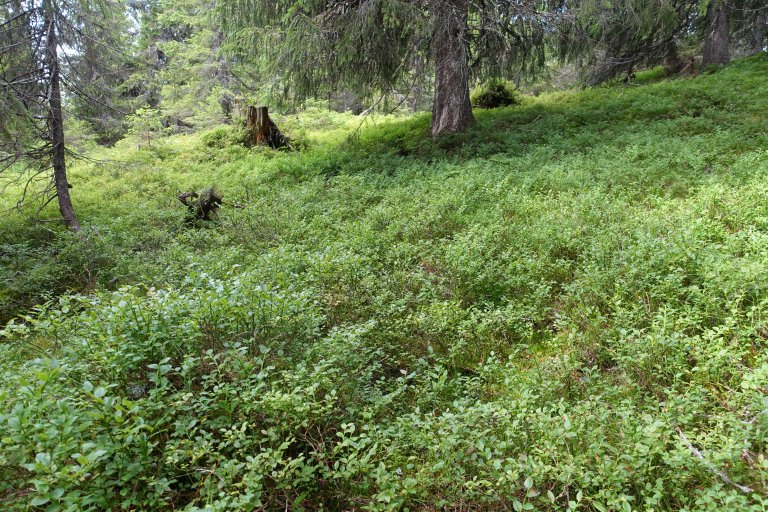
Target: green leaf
{"x": 93, "y": 456}
{"x": 39, "y": 500}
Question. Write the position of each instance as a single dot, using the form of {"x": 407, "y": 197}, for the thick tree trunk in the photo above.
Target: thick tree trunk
{"x": 261, "y": 130}
{"x": 758, "y": 32}
{"x": 716, "y": 45}
{"x": 451, "y": 111}
{"x": 56, "y": 124}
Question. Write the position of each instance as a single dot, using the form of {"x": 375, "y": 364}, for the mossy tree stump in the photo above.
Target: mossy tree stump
{"x": 202, "y": 206}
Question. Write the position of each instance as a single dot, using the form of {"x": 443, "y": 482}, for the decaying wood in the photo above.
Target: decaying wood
{"x": 261, "y": 130}
{"x": 204, "y": 205}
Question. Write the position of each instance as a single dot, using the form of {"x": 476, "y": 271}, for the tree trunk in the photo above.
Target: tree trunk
{"x": 261, "y": 130}
{"x": 673, "y": 64}
{"x": 56, "y": 124}
{"x": 451, "y": 110}
{"x": 758, "y": 32}
{"x": 716, "y": 48}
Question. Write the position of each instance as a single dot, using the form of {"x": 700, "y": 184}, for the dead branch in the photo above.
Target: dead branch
{"x": 696, "y": 453}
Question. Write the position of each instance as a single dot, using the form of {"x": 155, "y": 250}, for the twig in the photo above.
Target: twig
{"x": 696, "y": 453}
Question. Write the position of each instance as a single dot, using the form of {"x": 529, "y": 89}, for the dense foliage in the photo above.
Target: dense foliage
{"x": 495, "y": 93}
{"x": 318, "y": 46}
{"x": 560, "y": 309}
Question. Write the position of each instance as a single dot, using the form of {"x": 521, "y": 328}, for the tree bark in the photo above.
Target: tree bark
{"x": 451, "y": 110}
{"x": 261, "y": 130}
{"x": 716, "y": 45}
{"x": 56, "y": 123}
{"x": 758, "y": 32}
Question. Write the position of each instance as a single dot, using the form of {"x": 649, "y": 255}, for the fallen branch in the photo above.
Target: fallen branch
{"x": 696, "y": 453}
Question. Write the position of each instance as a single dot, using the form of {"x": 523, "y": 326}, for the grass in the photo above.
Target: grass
{"x": 552, "y": 311}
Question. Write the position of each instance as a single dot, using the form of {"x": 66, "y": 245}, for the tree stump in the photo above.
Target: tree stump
{"x": 261, "y": 130}
{"x": 202, "y": 206}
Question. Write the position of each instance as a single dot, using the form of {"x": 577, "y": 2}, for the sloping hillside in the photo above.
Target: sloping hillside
{"x": 566, "y": 308}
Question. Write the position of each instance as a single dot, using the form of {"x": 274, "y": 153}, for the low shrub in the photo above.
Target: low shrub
{"x": 222, "y": 137}
{"x": 567, "y": 310}
{"x": 495, "y": 93}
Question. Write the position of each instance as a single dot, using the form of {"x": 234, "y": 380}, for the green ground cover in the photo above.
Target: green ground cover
{"x": 558, "y": 310}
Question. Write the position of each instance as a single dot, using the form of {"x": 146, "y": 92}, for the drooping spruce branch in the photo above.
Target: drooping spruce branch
{"x": 371, "y": 47}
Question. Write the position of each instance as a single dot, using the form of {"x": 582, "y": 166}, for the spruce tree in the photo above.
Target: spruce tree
{"x": 615, "y": 38}
{"x": 188, "y": 78}
{"x": 732, "y": 24}
{"x": 620, "y": 37}
{"x": 316, "y": 46}
{"x": 41, "y": 43}
{"x": 716, "y": 33}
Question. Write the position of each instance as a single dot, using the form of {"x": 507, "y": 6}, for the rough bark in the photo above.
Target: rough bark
{"x": 261, "y": 130}
{"x": 451, "y": 110}
{"x": 716, "y": 44}
{"x": 56, "y": 124}
{"x": 758, "y": 32}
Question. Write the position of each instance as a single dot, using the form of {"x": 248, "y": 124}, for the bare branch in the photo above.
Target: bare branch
{"x": 696, "y": 453}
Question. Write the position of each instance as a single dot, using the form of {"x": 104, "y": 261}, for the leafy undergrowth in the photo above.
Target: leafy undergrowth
{"x": 566, "y": 308}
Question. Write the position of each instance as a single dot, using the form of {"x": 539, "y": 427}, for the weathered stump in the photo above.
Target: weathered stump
{"x": 202, "y": 206}
{"x": 261, "y": 130}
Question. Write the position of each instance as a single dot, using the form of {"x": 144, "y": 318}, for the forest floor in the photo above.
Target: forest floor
{"x": 565, "y": 308}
